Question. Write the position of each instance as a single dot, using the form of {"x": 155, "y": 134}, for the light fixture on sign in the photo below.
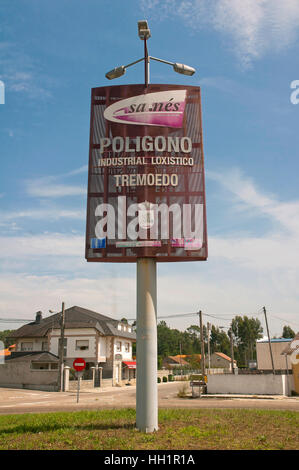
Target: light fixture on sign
{"x": 116, "y": 72}
{"x": 143, "y": 30}
{"x": 184, "y": 69}
{"x": 144, "y": 33}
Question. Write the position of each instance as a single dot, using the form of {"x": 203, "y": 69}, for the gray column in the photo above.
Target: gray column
{"x": 146, "y": 348}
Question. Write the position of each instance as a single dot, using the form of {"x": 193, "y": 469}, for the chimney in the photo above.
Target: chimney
{"x": 38, "y": 316}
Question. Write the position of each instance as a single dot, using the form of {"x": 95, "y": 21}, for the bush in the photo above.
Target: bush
{"x": 182, "y": 393}
{"x": 170, "y": 378}
{"x": 164, "y": 379}
{"x": 159, "y": 380}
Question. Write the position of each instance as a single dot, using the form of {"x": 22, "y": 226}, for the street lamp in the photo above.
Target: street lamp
{"x": 146, "y": 385}
{"x": 144, "y": 34}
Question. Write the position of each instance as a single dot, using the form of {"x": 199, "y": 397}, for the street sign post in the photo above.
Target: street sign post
{"x": 79, "y": 365}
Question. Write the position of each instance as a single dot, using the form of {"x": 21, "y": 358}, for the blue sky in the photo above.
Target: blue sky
{"x": 246, "y": 56}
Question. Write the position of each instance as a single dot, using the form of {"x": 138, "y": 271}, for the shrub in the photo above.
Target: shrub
{"x": 159, "y": 380}
{"x": 164, "y": 379}
{"x": 170, "y": 378}
{"x": 182, "y": 393}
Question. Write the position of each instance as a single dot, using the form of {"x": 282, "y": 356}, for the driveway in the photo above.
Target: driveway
{"x": 32, "y": 401}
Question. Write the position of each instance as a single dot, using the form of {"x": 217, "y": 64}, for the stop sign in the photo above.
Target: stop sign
{"x": 79, "y": 364}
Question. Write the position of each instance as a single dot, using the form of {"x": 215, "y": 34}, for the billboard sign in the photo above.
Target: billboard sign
{"x": 146, "y": 189}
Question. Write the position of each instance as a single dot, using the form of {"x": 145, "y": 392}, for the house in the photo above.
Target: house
{"x": 33, "y": 370}
{"x": 219, "y": 360}
{"x": 172, "y": 362}
{"x": 290, "y": 353}
{"x": 263, "y": 355}
{"x": 100, "y": 340}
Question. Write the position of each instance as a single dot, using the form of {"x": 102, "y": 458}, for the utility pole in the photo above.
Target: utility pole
{"x": 181, "y": 358}
{"x": 61, "y": 350}
{"x": 209, "y": 352}
{"x": 203, "y": 371}
{"x": 232, "y": 349}
{"x": 269, "y": 339}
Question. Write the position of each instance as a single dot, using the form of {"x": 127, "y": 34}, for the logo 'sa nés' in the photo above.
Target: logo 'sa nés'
{"x": 164, "y": 108}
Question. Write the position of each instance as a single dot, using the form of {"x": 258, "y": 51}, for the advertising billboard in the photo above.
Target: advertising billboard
{"x": 146, "y": 187}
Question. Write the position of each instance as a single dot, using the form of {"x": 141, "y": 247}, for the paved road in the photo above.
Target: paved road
{"x": 30, "y": 401}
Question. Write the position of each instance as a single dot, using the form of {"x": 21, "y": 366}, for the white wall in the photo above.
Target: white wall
{"x": 102, "y": 349}
{"x": 253, "y": 384}
{"x": 73, "y": 335}
{"x": 126, "y": 356}
{"x": 36, "y": 343}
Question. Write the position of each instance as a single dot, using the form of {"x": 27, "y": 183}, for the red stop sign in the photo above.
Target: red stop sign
{"x": 79, "y": 364}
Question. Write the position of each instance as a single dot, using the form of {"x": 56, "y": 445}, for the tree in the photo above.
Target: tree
{"x": 288, "y": 332}
{"x": 219, "y": 341}
{"x": 5, "y": 338}
{"x": 246, "y": 332}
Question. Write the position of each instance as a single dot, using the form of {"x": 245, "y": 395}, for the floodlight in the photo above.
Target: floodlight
{"x": 143, "y": 30}
{"x": 116, "y": 72}
{"x": 184, "y": 69}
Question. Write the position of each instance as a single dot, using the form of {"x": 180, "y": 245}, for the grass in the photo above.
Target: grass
{"x": 178, "y": 429}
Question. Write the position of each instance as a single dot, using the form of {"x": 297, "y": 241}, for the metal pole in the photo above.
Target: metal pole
{"x": 209, "y": 352}
{"x": 61, "y": 350}
{"x": 287, "y": 372}
{"x": 146, "y": 64}
{"x": 232, "y": 350}
{"x": 78, "y": 386}
{"x": 146, "y": 348}
{"x": 269, "y": 339}
{"x": 202, "y": 345}
{"x": 181, "y": 358}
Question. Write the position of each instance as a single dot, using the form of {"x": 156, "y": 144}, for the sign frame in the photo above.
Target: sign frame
{"x": 124, "y": 251}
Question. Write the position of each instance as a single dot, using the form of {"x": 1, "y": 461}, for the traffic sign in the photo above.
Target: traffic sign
{"x": 79, "y": 364}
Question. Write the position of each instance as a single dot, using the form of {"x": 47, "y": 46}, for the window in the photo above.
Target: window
{"x": 27, "y": 346}
{"x": 127, "y": 347}
{"x": 82, "y": 344}
{"x": 118, "y": 346}
{"x": 44, "y": 365}
{"x": 40, "y": 365}
{"x": 45, "y": 346}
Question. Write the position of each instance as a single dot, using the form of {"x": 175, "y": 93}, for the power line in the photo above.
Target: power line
{"x": 15, "y": 320}
{"x": 284, "y": 320}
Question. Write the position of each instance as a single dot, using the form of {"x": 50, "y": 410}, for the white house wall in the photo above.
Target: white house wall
{"x": 126, "y": 356}
{"x": 36, "y": 343}
{"x": 72, "y": 336}
{"x": 102, "y": 349}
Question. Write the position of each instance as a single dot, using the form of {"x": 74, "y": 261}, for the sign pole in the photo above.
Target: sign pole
{"x": 79, "y": 365}
{"x": 146, "y": 348}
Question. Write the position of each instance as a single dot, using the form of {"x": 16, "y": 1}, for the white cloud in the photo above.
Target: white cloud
{"x": 23, "y": 295}
{"x": 21, "y": 74}
{"x": 255, "y": 27}
{"x": 44, "y": 187}
{"x": 49, "y": 186}
{"x": 43, "y": 245}
{"x": 246, "y": 193}
{"x": 50, "y": 214}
